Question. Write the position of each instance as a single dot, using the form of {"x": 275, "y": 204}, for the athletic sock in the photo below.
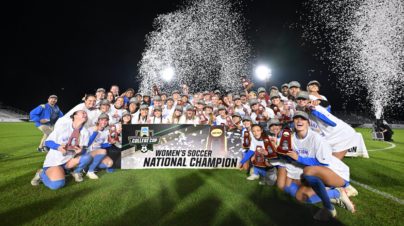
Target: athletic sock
{"x": 84, "y": 161}
{"x": 96, "y": 161}
{"x": 332, "y": 193}
{"x": 291, "y": 189}
{"x": 319, "y": 187}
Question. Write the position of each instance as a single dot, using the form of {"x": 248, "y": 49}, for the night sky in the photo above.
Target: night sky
{"x": 72, "y": 49}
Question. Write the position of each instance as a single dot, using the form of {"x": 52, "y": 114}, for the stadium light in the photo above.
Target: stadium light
{"x": 263, "y": 72}
{"x": 167, "y": 74}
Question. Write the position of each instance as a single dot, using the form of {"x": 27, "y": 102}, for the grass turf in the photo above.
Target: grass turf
{"x": 183, "y": 197}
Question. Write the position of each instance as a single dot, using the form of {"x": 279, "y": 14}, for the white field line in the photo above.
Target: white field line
{"x": 392, "y": 145}
{"x": 384, "y": 194}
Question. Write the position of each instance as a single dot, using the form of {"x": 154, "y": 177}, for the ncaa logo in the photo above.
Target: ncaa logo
{"x": 144, "y": 132}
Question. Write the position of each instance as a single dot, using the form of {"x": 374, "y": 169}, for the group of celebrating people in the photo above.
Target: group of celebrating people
{"x": 310, "y": 170}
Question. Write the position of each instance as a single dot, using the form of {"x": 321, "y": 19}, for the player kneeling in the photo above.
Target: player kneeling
{"x": 320, "y": 169}
{"x": 97, "y": 146}
{"x": 66, "y": 145}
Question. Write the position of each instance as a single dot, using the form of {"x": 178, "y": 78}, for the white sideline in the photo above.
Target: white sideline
{"x": 392, "y": 145}
{"x": 384, "y": 194}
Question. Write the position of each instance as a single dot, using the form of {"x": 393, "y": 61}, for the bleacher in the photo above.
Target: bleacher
{"x": 10, "y": 114}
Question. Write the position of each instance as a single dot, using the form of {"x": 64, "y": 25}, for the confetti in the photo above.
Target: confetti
{"x": 204, "y": 44}
{"x": 364, "y": 42}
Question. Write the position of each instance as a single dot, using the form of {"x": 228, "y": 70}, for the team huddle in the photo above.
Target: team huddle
{"x": 313, "y": 140}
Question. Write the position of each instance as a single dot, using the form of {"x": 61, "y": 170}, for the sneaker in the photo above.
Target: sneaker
{"x": 78, "y": 177}
{"x": 253, "y": 177}
{"x": 324, "y": 214}
{"x": 92, "y": 175}
{"x": 351, "y": 191}
{"x": 346, "y": 201}
{"x": 37, "y": 178}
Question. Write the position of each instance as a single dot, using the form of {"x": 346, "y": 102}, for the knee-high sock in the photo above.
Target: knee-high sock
{"x": 291, "y": 189}
{"x": 332, "y": 193}
{"x": 84, "y": 161}
{"x": 103, "y": 166}
{"x": 247, "y": 156}
{"x": 96, "y": 161}
{"x": 319, "y": 187}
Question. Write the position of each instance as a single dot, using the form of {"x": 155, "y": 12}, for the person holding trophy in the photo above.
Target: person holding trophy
{"x": 97, "y": 145}
{"x": 67, "y": 143}
{"x": 313, "y": 162}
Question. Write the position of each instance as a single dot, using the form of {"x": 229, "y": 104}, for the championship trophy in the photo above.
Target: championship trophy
{"x": 156, "y": 90}
{"x": 285, "y": 144}
{"x": 247, "y": 84}
{"x": 260, "y": 117}
{"x": 246, "y": 140}
{"x": 270, "y": 148}
{"x": 113, "y": 136}
{"x": 73, "y": 142}
{"x": 259, "y": 158}
{"x": 217, "y": 141}
{"x": 202, "y": 118}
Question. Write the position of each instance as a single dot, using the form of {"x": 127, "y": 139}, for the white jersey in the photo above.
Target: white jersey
{"x": 91, "y": 116}
{"x": 61, "y": 135}
{"x": 101, "y": 138}
{"x": 340, "y": 136}
{"x": 312, "y": 97}
{"x": 315, "y": 146}
{"x": 253, "y": 147}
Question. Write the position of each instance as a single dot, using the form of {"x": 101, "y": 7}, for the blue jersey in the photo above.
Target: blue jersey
{"x": 45, "y": 111}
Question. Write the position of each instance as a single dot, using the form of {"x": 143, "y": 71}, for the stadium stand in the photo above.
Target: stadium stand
{"x": 10, "y": 114}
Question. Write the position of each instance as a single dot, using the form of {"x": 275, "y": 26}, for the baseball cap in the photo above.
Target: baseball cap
{"x": 301, "y": 114}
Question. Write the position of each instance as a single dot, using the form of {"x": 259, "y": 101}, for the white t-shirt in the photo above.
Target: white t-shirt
{"x": 168, "y": 112}
{"x": 315, "y": 146}
{"x": 61, "y": 135}
{"x": 116, "y": 115}
{"x": 184, "y": 120}
{"x": 220, "y": 120}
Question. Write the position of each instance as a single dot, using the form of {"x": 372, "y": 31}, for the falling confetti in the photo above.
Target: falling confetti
{"x": 364, "y": 42}
{"x": 202, "y": 43}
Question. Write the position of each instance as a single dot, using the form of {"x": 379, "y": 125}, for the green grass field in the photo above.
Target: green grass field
{"x": 183, "y": 197}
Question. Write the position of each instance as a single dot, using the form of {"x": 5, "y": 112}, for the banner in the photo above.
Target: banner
{"x": 179, "y": 146}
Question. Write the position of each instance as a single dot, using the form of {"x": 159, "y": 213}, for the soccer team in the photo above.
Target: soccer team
{"x": 312, "y": 171}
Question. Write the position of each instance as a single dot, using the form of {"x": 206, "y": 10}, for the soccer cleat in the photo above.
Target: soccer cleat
{"x": 92, "y": 175}
{"x": 346, "y": 201}
{"x": 324, "y": 214}
{"x": 45, "y": 149}
{"x": 78, "y": 177}
{"x": 37, "y": 178}
{"x": 40, "y": 149}
{"x": 351, "y": 191}
{"x": 253, "y": 177}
